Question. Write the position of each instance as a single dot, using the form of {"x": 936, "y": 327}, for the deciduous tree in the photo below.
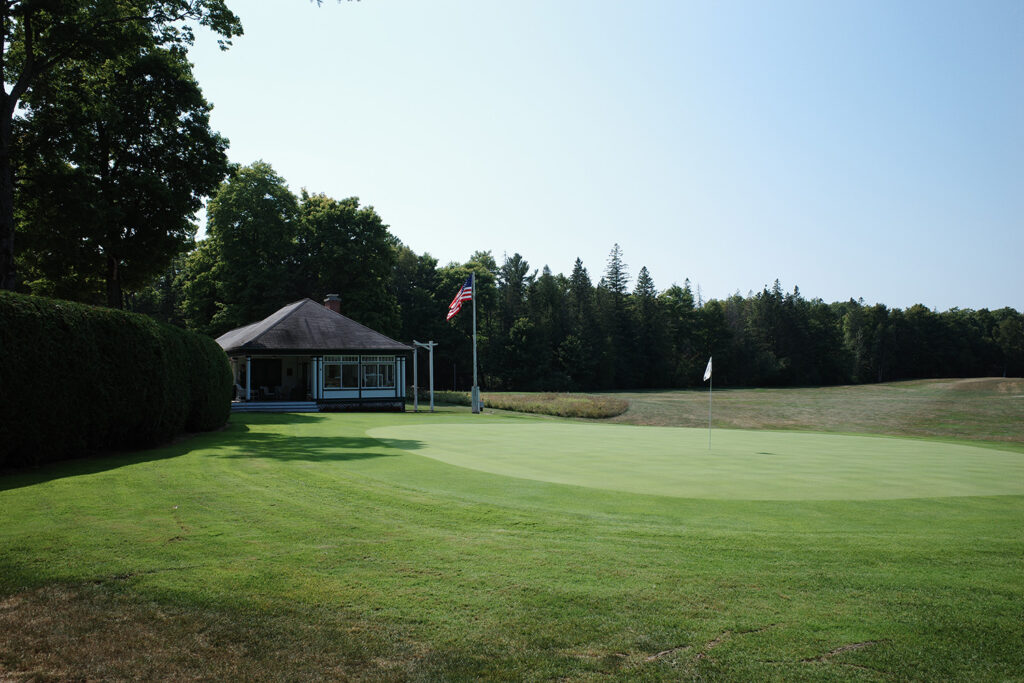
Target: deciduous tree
{"x": 41, "y": 37}
{"x": 250, "y": 252}
{"x": 347, "y": 249}
{"x": 116, "y": 159}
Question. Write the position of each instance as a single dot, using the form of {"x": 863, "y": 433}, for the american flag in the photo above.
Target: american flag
{"x": 465, "y": 294}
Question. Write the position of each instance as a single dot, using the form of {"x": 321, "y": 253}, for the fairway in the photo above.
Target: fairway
{"x": 740, "y": 465}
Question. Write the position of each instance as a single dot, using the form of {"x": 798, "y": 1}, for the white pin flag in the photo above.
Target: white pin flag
{"x": 707, "y": 376}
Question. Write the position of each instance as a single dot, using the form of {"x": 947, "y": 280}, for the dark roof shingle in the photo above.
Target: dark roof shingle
{"x": 306, "y": 326}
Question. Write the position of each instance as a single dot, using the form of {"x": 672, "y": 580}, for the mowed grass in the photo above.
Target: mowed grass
{"x": 328, "y": 547}
{"x": 742, "y": 465}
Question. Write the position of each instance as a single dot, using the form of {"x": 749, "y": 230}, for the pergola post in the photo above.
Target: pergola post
{"x": 430, "y": 347}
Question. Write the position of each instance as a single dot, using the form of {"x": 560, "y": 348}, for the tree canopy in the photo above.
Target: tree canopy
{"x": 115, "y": 159}
{"x": 40, "y": 38}
{"x": 267, "y": 247}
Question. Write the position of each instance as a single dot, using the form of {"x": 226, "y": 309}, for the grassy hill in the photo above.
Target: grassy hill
{"x": 333, "y": 547}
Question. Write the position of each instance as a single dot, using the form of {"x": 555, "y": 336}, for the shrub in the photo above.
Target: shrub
{"x": 562, "y": 405}
{"x": 75, "y": 379}
{"x": 455, "y": 398}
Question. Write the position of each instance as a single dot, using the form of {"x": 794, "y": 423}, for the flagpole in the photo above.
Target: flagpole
{"x": 476, "y": 389}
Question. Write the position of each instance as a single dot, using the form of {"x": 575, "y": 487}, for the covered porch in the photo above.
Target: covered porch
{"x": 275, "y": 378}
{"x": 318, "y": 382}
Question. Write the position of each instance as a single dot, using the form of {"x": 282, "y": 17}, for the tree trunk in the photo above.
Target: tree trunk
{"x": 7, "y": 274}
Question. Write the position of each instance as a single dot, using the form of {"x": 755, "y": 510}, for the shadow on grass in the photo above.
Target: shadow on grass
{"x": 235, "y": 440}
{"x": 250, "y": 444}
{"x": 103, "y": 461}
{"x": 275, "y": 418}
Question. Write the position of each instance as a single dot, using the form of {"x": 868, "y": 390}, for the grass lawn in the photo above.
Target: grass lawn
{"x": 452, "y": 546}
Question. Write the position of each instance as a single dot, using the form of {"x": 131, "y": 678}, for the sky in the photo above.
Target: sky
{"x": 855, "y": 149}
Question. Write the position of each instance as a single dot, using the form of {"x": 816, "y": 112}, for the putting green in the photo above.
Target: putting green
{"x": 743, "y": 465}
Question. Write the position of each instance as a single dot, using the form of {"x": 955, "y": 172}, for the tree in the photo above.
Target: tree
{"x": 581, "y": 292}
{"x": 250, "y": 252}
{"x": 198, "y": 302}
{"x": 678, "y": 307}
{"x": 650, "y": 332}
{"x": 414, "y": 283}
{"x": 346, "y": 249}
{"x": 160, "y": 299}
{"x": 546, "y": 307}
{"x": 514, "y": 279}
{"x": 579, "y": 352}
{"x": 616, "y": 277}
{"x": 40, "y": 37}
{"x": 116, "y": 158}
{"x": 618, "y": 368}
{"x": 1009, "y": 336}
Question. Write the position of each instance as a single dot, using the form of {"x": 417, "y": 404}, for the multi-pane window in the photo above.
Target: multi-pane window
{"x": 378, "y": 372}
{"x": 341, "y": 372}
{"x": 332, "y": 375}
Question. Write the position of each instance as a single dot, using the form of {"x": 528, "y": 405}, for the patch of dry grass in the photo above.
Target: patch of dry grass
{"x": 589, "y": 406}
{"x": 984, "y": 409}
{"x": 91, "y": 632}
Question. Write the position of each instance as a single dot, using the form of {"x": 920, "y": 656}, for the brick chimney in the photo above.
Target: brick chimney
{"x": 333, "y": 302}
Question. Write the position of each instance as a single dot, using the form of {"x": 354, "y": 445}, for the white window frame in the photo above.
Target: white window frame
{"x": 382, "y": 368}
{"x": 340, "y": 362}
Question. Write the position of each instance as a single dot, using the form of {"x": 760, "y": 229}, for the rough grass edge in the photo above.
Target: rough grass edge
{"x": 588, "y": 406}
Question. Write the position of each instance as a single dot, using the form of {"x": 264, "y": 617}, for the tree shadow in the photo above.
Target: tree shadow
{"x": 275, "y": 418}
{"x": 94, "y": 463}
{"x": 235, "y": 440}
{"x": 312, "y": 448}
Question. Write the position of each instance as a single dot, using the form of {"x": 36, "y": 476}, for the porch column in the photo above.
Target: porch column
{"x": 317, "y": 381}
{"x": 248, "y": 378}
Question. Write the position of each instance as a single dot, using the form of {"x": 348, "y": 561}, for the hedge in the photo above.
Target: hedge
{"x": 76, "y": 379}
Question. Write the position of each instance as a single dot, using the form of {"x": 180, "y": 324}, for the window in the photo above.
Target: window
{"x": 344, "y": 372}
{"x": 378, "y": 372}
{"x": 341, "y": 372}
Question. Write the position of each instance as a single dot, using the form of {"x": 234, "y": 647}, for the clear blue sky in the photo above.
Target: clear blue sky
{"x": 854, "y": 149}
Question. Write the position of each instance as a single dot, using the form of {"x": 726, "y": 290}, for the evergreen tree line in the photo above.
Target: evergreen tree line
{"x": 540, "y": 331}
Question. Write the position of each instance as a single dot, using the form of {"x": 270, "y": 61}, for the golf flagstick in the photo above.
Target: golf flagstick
{"x": 711, "y": 383}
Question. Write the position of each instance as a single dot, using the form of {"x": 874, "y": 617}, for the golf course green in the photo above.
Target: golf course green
{"x": 738, "y": 465}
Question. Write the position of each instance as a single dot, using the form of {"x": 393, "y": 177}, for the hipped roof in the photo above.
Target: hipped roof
{"x": 306, "y": 326}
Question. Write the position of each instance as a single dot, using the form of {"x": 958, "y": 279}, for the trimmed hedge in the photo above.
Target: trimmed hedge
{"x": 75, "y": 379}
